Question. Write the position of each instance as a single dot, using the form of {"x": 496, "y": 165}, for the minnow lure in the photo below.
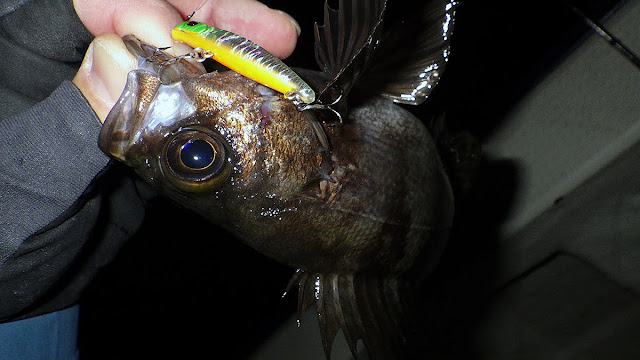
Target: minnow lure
{"x": 244, "y": 57}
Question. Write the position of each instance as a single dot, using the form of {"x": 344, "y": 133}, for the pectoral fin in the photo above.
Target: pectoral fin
{"x": 374, "y": 310}
{"x": 413, "y": 54}
{"x": 347, "y": 40}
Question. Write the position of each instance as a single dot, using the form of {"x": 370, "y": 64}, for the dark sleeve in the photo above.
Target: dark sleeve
{"x": 47, "y": 159}
{"x": 64, "y": 213}
{"x": 48, "y": 152}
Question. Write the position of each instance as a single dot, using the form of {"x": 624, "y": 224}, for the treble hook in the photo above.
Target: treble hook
{"x": 317, "y": 105}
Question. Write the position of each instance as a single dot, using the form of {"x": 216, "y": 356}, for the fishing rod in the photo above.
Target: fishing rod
{"x": 606, "y": 35}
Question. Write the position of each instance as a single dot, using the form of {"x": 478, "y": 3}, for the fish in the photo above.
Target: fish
{"x": 361, "y": 208}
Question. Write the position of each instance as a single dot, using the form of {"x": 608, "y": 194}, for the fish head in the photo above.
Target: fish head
{"x": 222, "y": 145}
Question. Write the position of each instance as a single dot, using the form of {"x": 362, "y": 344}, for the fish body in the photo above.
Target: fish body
{"x": 278, "y": 177}
{"x": 362, "y": 210}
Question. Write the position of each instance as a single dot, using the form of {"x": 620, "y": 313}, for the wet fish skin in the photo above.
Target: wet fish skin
{"x": 342, "y": 210}
{"x": 362, "y": 209}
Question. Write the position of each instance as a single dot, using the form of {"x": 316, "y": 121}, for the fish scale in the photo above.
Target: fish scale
{"x": 362, "y": 208}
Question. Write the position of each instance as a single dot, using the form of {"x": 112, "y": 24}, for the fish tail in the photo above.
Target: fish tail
{"x": 375, "y": 310}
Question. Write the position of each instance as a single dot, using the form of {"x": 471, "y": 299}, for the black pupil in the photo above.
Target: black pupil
{"x": 192, "y": 23}
{"x": 197, "y": 154}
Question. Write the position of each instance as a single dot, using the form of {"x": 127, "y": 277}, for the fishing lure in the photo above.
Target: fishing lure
{"x": 244, "y": 57}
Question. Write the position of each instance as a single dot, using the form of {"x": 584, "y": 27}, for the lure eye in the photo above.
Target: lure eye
{"x": 192, "y": 23}
{"x": 195, "y": 160}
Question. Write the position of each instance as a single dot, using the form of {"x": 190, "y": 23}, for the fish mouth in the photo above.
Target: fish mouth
{"x": 124, "y": 120}
{"x": 153, "y": 96}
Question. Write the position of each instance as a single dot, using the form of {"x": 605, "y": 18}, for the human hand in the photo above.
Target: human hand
{"x": 103, "y": 73}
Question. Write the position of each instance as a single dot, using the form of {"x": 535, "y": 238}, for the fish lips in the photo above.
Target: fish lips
{"x": 145, "y": 104}
{"x": 122, "y": 125}
{"x": 153, "y": 96}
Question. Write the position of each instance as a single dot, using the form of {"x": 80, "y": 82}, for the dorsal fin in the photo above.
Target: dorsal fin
{"x": 346, "y": 41}
{"x": 409, "y": 77}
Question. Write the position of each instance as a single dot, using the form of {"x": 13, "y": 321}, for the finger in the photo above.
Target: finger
{"x": 103, "y": 72}
{"x": 149, "y": 20}
{"x": 272, "y": 29}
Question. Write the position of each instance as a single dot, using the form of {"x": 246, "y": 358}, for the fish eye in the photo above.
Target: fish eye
{"x": 195, "y": 160}
{"x": 197, "y": 154}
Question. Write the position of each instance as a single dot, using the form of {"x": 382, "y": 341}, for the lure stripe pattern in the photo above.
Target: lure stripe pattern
{"x": 245, "y": 57}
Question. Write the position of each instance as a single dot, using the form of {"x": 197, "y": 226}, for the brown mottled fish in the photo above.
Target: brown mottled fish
{"x": 361, "y": 208}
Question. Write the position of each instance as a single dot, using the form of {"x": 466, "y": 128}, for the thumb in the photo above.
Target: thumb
{"x": 103, "y": 73}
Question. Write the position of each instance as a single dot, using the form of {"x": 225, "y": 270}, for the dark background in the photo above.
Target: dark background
{"x": 183, "y": 287}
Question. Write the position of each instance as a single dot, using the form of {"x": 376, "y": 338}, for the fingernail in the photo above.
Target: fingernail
{"x": 102, "y": 75}
{"x": 293, "y": 21}
{"x": 111, "y": 63}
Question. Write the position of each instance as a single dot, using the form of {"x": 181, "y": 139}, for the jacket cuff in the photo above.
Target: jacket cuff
{"x": 48, "y": 157}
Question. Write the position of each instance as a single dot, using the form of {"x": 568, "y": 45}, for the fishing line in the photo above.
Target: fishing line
{"x": 197, "y": 9}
